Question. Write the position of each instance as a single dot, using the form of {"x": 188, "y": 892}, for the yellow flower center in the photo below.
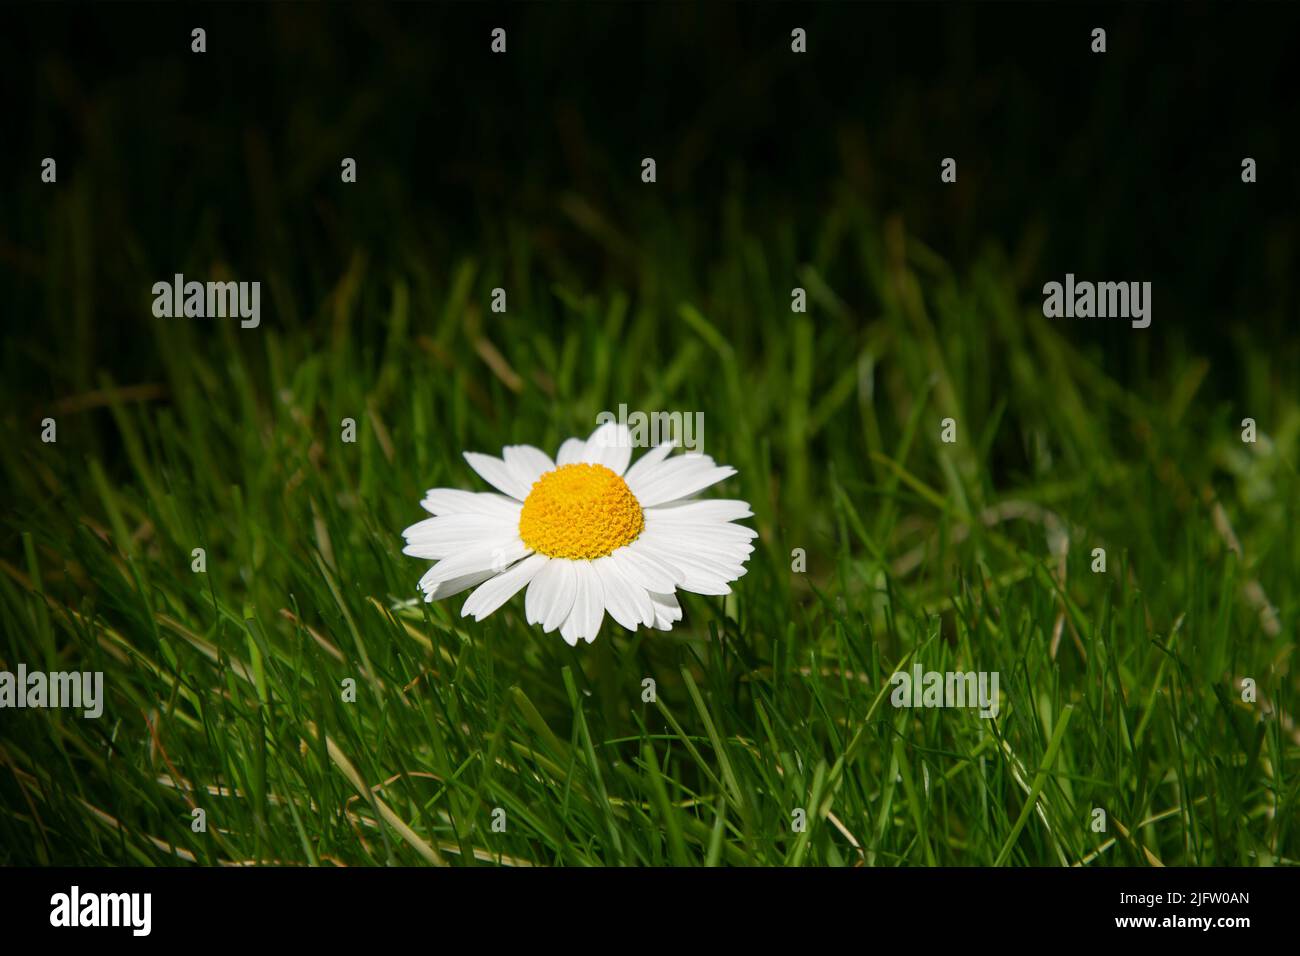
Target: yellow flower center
{"x": 580, "y": 511}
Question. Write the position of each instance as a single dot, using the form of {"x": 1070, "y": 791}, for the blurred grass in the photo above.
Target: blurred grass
{"x": 224, "y": 688}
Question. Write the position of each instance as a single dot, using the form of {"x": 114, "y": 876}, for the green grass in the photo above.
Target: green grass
{"x": 1119, "y": 689}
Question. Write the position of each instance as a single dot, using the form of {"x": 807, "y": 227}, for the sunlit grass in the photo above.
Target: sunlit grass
{"x": 1120, "y": 690}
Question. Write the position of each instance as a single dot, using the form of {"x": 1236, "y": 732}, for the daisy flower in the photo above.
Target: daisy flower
{"x": 585, "y": 534}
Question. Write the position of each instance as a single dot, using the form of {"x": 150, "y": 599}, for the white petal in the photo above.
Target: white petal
{"x": 436, "y": 592}
{"x": 454, "y": 501}
{"x": 628, "y": 604}
{"x": 446, "y": 535}
{"x": 550, "y": 596}
{"x": 498, "y": 474}
{"x": 492, "y": 594}
{"x": 610, "y": 445}
{"x": 667, "y": 610}
{"x": 489, "y": 556}
{"x": 527, "y": 463}
{"x": 678, "y": 478}
{"x": 676, "y": 548}
{"x": 726, "y": 562}
{"x": 588, "y": 604}
{"x": 712, "y": 509}
{"x": 648, "y": 461}
{"x": 571, "y": 451}
{"x": 650, "y": 573}
{"x": 569, "y": 631}
{"x": 730, "y": 536}
{"x": 700, "y": 574}
{"x": 651, "y": 474}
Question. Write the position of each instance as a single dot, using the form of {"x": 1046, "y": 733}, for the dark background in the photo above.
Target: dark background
{"x": 1122, "y": 166}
